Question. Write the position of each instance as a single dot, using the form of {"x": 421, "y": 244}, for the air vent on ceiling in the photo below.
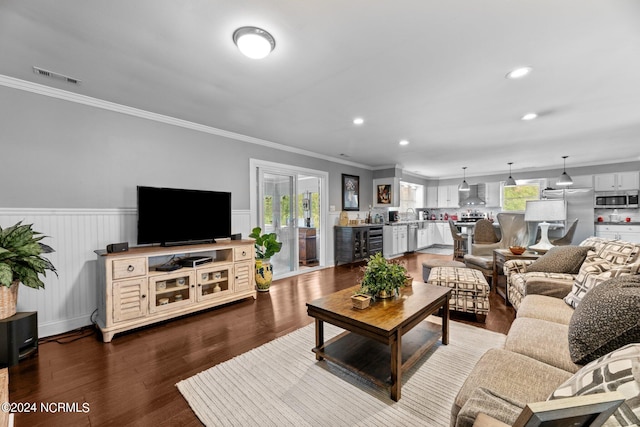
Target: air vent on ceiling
{"x": 57, "y": 76}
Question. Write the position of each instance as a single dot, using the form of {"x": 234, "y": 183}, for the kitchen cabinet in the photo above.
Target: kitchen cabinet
{"x": 628, "y": 233}
{"x": 616, "y": 181}
{"x": 423, "y": 236}
{"x": 448, "y": 196}
{"x": 395, "y": 240}
{"x": 432, "y": 197}
{"x": 492, "y": 195}
{"x": 445, "y": 232}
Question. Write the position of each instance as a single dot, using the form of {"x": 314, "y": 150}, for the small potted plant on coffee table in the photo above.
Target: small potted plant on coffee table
{"x": 382, "y": 278}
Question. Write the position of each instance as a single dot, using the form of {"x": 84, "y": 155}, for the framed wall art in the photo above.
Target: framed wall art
{"x": 350, "y": 192}
{"x": 385, "y": 192}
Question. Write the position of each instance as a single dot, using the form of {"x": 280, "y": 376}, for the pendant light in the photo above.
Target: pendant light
{"x": 565, "y": 179}
{"x": 464, "y": 186}
{"x": 510, "y": 181}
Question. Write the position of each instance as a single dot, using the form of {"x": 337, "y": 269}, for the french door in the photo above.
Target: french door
{"x": 289, "y": 201}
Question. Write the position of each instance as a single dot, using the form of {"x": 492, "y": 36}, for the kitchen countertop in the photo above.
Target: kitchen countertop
{"x": 617, "y": 223}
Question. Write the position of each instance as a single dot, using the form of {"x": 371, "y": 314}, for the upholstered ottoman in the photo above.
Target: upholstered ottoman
{"x": 470, "y": 290}
{"x": 431, "y": 263}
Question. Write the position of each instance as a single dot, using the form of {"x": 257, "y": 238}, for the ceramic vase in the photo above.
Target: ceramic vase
{"x": 264, "y": 275}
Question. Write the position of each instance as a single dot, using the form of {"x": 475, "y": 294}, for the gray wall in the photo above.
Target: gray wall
{"x": 60, "y": 154}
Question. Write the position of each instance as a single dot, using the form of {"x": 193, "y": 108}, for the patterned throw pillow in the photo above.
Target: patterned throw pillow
{"x": 561, "y": 259}
{"x": 618, "y": 370}
{"x": 592, "y": 267}
{"x": 607, "y": 318}
{"x": 594, "y": 271}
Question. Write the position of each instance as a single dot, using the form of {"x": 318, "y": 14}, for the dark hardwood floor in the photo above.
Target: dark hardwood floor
{"x": 131, "y": 381}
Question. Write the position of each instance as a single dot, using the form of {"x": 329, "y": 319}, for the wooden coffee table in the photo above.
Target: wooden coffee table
{"x": 382, "y": 341}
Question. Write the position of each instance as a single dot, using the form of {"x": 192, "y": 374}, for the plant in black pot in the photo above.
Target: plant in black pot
{"x": 382, "y": 278}
{"x": 21, "y": 261}
{"x": 266, "y": 245}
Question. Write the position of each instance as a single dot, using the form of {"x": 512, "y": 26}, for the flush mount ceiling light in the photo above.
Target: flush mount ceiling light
{"x": 254, "y": 42}
{"x": 464, "y": 186}
{"x": 403, "y": 142}
{"x": 518, "y": 73}
{"x": 529, "y": 116}
{"x": 510, "y": 181}
{"x": 564, "y": 179}
{"x": 358, "y": 121}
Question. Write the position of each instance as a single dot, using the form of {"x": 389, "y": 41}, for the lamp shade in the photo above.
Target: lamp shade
{"x": 545, "y": 210}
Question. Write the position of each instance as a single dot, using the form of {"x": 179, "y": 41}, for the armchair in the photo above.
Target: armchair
{"x": 513, "y": 232}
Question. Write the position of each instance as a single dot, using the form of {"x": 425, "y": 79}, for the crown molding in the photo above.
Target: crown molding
{"x": 65, "y": 95}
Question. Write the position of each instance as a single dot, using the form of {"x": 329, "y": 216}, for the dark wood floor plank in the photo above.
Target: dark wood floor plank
{"x": 131, "y": 381}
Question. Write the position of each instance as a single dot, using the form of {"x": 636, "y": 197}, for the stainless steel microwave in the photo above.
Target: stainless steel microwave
{"x": 612, "y": 200}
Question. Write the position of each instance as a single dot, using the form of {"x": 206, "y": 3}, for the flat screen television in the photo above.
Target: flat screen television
{"x": 171, "y": 216}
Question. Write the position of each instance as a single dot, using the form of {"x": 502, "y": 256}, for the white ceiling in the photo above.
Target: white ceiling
{"x": 428, "y": 71}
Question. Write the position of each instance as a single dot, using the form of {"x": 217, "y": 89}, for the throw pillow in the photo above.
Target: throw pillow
{"x": 606, "y": 319}
{"x": 593, "y": 265}
{"x": 618, "y": 370}
{"x": 561, "y": 259}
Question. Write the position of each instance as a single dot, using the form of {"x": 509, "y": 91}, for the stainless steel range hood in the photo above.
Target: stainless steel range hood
{"x": 474, "y": 197}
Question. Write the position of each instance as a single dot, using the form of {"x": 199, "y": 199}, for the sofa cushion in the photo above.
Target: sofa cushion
{"x": 561, "y": 259}
{"x": 504, "y": 373}
{"x": 616, "y": 371}
{"x": 541, "y": 340}
{"x": 607, "y": 319}
{"x": 545, "y": 308}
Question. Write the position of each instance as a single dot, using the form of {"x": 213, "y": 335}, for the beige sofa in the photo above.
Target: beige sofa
{"x": 607, "y": 259}
{"x": 540, "y": 349}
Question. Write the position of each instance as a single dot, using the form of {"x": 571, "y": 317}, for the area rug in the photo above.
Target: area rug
{"x": 437, "y": 251}
{"x": 281, "y": 384}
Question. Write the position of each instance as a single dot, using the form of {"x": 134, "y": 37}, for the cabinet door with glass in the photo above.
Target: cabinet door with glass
{"x": 214, "y": 282}
{"x": 170, "y": 291}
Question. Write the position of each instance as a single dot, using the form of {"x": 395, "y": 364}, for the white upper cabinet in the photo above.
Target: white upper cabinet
{"x": 448, "y": 196}
{"x": 432, "y": 197}
{"x": 616, "y": 181}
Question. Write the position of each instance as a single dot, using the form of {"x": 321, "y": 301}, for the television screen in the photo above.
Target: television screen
{"x": 174, "y": 216}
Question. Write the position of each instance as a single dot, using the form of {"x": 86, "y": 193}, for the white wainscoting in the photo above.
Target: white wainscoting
{"x": 68, "y": 300}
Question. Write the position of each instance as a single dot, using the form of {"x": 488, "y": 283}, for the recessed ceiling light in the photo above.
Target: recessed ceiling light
{"x": 529, "y": 116}
{"x": 518, "y": 73}
{"x": 404, "y": 142}
{"x": 254, "y": 42}
{"x": 358, "y": 121}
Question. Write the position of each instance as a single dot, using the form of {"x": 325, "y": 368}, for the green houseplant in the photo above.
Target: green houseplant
{"x": 266, "y": 245}
{"x": 382, "y": 278}
{"x": 21, "y": 261}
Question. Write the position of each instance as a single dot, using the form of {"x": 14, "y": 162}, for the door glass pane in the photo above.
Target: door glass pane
{"x": 278, "y": 216}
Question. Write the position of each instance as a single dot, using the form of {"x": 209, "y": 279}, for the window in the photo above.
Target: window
{"x": 411, "y": 196}
{"x": 515, "y": 198}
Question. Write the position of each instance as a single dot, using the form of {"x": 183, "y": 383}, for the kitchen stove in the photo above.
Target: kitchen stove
{"x": 471, "y": 217}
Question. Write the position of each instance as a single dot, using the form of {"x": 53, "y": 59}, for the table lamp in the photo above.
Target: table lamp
{"x": 543, "y": 211}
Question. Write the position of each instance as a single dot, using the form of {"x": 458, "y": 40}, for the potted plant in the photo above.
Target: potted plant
{"x": 266, "y": 245}
{"x": 21, "y": 261}
{"x": 382, "y": 278}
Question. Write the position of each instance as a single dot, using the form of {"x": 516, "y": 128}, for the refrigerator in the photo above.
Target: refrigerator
{"x": 579, "y": 205}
